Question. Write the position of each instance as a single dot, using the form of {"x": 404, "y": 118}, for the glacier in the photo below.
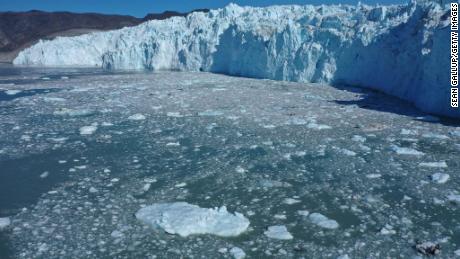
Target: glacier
{"x": 401, "y": 50}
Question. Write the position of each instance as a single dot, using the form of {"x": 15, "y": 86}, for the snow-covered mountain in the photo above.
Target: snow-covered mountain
{"x": 401, "y": 50}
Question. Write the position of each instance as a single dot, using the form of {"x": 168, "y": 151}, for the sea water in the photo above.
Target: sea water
{"x": 319, "y": 172}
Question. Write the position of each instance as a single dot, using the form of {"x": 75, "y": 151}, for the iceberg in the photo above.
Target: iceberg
{"x": 187, "y": 219}
{"x": 402, "y": 50}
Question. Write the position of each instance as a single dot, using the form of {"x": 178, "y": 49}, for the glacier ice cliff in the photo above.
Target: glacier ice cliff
{"x": 402, "y": 50}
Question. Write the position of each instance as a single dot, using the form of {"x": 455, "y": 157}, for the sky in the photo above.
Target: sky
{"x": 140, "y": 8}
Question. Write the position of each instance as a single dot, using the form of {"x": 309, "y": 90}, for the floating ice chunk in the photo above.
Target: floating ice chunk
{"x": 343, "y": 257}
{"x": 137, "y": 117}
{"x": 269, "y": 126}
{"x": 173, "y": 144}
{"x": 146, "y": 187}
{"x": 116, "y": 234}
{"x": 297, "y": 121}
{"x": 174, "y": 114}
{"x": 408, "y": 132}
{"x": 44, "y": 174}
{"x": 180, "y": 185}
{"x": 300, "y": 153}
{"x": 64, "y": 77}
{"x": 304, "y": 213}
{"x": 72, "y": 112}
{"x": 455, "y": 198}
{"x": 54, "y": 99}
{"x": 88, "y": 130}
{"x": 457, "y": 252}
{"x": 187, "y": 219}
{"x": 358, "y": 138}
{"x": 237, "y": 253}
{"x": 222, "y": 250}
{"x": 211, "y": 113}
{"x": 440, "y": 178}
{"x": 150, "y": 180}
{"x": 278, "y": 232}
{"x": 63, "y": 139}
{"x": 4, "y": 223}
{"x": 387, "y": 230}
{"x": 290, "y": 201}
{"x": 26, "y": 137}
{"x": 323, "y": 221}
{"x": 441, "y": 164}
{"x": 373, "y": 176}
{"x": 314, "y": 125}
{"x": 12, "y": 92}
{"x": 280, "y": 216}
{"x": 92, "y": 190}
{"x": 347, "y": 152}
{"x": 240, "y": 169}
{"x": 406, "y": 151}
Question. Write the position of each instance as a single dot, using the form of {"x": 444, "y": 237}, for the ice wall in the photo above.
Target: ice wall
{"x": 401, "y": 50}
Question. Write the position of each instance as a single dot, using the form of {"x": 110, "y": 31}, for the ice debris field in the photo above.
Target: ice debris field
{"x": 193, "y": 164}
{"x": 402, "y": 50}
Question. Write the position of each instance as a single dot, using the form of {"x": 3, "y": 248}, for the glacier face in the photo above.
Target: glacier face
{"x": 400, "y": 50}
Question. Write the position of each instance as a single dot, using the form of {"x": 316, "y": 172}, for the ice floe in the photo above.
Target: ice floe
{"x": 406, "y": 151}
{"x": 278, "y": 232}
{"x": 237, "y": 253}
{"x": 137, "y": 117}
{"x": 323, "y": 221}
{"x": 440, "y": 177}
{"x": 187, "y": 219}
{"x": 88, "y": 130}
{"x": 441, "y": 164}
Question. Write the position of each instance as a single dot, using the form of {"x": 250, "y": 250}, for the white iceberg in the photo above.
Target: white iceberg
{"x": 187, "y": 219}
